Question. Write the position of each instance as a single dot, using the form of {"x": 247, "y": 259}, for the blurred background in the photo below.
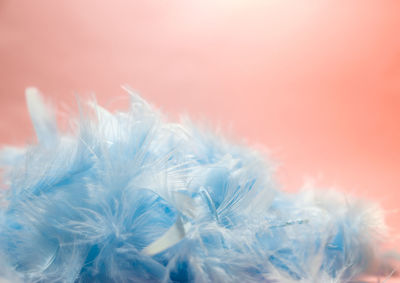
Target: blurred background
{"x": 315, "y": 82}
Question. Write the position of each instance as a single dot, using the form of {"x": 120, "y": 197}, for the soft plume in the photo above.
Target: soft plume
{"x": 129, "y": 197}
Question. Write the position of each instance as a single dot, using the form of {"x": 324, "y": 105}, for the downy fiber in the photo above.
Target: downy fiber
{"x": 129, "y": 197}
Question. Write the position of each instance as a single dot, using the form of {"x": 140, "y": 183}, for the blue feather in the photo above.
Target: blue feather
{"x": 129, "y": 197}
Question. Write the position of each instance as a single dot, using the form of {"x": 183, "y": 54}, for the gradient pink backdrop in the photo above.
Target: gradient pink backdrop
{"x": 317, "y": 82}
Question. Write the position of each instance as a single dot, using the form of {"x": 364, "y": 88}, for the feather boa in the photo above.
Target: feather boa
{"x": 129, "y": 197}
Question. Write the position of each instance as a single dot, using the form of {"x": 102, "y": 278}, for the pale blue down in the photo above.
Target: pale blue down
{"x": 130, "y": 197}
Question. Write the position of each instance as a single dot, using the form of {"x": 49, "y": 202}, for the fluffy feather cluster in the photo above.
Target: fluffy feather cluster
{"x": 128, "y": 197}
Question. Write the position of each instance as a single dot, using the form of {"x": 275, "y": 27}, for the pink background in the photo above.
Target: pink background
{"x": 317, "y": 82}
